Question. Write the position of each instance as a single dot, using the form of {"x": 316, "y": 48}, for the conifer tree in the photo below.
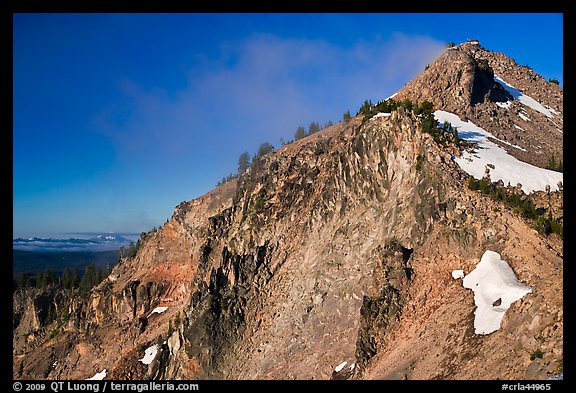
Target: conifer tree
{"x": 300, "y": 133}
{"x": 347, "y": 116}
{"x": 75, "y": 281}
{"x": 313, "y": 128}
{"x": 264, "y": 149}
{"x": 66, "y": 278}
{"x": 243, "y": 162}
{"x": 88, "y": 279}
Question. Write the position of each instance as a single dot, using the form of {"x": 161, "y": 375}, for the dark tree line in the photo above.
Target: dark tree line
{"x": 69, "y": 279}
{"x": 425, "y": 110}
{"x": 313, "y": 128}
{"x": 544, "y": 224}
{"x": 244, "y": 161}
{"x": 346, "y": 117}
{"x": 555, "y": 165}
{"x": 132, "y": 249}
{"x": 442, "y": 133}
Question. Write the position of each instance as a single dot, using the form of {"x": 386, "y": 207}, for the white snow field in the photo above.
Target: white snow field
{"x": 149, "y": 354}
{"x": 98, "y": 376}
{"x": 158, "y": 310}
{"x": 340, "y": 366}
{"x": 381, "y": 114}
{"x": 392, "y": 96}
{"x": 506, "y": 167}
{"x": 495, "y": 288}
{"x": 523, "y": 98}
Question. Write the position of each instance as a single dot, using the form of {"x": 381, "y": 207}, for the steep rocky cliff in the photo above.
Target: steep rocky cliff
{"x": 336, "y": 248}
{"x": 492, "y": 90}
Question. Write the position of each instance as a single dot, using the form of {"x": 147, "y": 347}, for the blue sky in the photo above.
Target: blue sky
{"x": 120, "y": 117}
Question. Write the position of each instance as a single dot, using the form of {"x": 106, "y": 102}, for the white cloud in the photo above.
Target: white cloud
{"x": 178, "y": 144}
{"x": 262, "y": 88}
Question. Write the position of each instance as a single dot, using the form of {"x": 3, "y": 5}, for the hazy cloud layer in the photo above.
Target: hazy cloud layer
{"x": 261, "y": 89}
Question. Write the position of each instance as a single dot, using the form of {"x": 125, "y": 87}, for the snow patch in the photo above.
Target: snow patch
{"x": 495, "y": 288}
{"x": 456, "y": 274}
{"x": 523, "y": 98}
{"x": 509, "y": 144}
{"x": 523, "y": 117}
{"x": 149, "y": 354}
{"x": 552, "y": 110}
{"x": 340, "y": 366}
{"x": 506, "y": 167}
{"x": 98, "y": 376}
{"x": 381, "y": 114}
{"x": 505, "y": 105}
{"x": 392, "y": 96}
{"x": 552, "y": 121}
{"x": 520, "y": 128}
{"x": 158, "y": 310}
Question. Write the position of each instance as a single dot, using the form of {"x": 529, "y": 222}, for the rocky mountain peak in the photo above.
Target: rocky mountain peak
{"x": 456, "y": 81}
{"x": 522, "y": 110}
{"x": 334, "y": 257}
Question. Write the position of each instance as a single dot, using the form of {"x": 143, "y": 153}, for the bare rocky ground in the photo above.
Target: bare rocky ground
{"x": 435, "y": 337}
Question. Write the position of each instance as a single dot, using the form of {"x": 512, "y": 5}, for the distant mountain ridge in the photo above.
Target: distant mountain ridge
{"x": 103, "y": 242}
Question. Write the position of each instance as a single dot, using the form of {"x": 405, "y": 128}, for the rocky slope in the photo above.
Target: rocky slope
{"x": 468, "y": 80}
{"x": 336, "y": 248}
